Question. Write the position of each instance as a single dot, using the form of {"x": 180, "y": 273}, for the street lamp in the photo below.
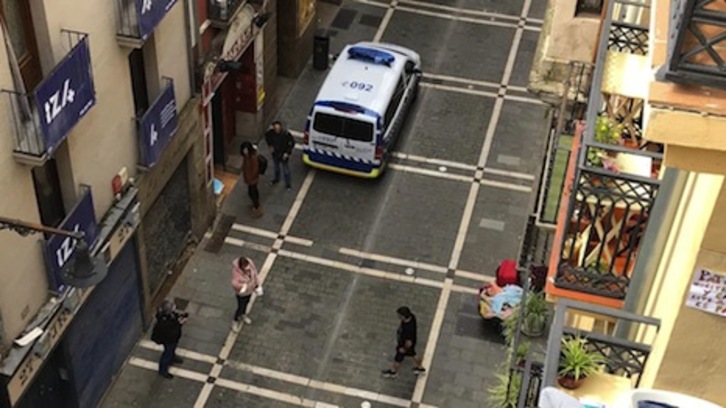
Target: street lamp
{"x": 81, "y": 269}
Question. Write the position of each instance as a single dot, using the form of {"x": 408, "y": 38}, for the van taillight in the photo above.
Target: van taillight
{"x": 306, "y": 137}
{"x": 379, "y": 152}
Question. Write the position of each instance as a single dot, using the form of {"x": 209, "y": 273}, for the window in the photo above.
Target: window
{"x": 343, "y": 127}
{"x": 590, "y": 8}
{"x": 19, "y": 23}
{"x": 395, "y": 101}
{"x": 48, "y": 194}
{"x": 138, "y": 81}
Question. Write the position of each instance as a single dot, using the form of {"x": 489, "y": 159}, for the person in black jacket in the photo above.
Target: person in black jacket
{"x": 281, "y": 144}
{"x": 406, "y": 345}
{"x": 167, "y": 332}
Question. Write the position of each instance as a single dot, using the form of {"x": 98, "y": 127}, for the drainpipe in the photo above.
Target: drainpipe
{"x": 190, "y": 23}
{"x": 652, "y": 247}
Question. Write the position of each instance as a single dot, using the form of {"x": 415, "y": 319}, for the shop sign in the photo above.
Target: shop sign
{"x": 58, "y": 249}
{"x": 65, "y": 96}
{"x": 158, "y": 126}
{"x": 150, "y": 13}
{"x": 708, "y": 292}
{"x": 306, "y": 12}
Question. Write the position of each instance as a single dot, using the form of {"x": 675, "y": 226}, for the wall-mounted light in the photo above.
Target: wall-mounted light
{"x": 81, "y": 269}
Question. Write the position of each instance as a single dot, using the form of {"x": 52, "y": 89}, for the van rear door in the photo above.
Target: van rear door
{"x": 351, "y": 135}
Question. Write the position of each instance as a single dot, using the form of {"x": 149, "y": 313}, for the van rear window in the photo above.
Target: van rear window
{"x": 343, "y": 127}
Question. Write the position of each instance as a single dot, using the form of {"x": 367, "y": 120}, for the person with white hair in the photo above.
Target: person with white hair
{"x": 167, "y": 332}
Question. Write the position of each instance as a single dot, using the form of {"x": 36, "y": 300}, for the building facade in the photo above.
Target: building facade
{"x": 101, "y": 132}
{"x": 632, "y": 197}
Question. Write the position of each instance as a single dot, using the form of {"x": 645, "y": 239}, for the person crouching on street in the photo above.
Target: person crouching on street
{"x": 244, "y": 283}
{"x": 251, "y": 175}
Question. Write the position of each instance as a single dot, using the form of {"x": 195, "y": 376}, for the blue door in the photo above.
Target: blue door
{"x": 106, "y": 328}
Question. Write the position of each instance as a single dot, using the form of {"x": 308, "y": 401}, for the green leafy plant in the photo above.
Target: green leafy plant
{"x": 576, "y": 361}
{"x": 607, "y": 130}
{"x": 510, "y": 327}
{"x": 599, "y": 267}
{"x": 498, "y": 395}
{"x": 536, "y": 311}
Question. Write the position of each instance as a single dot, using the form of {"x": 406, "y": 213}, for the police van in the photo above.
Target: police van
{"x": 360, "y": 109}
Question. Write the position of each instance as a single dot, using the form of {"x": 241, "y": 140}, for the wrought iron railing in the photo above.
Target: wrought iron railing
{"x": 28, "y": 138}
{"x": 607, "y": 219}
{"x": 630, "y": 38}
{"x": 696, "y": 43}
{"x": 127, "y": 19}
{"x": 616, "y": 178}
{"x": 552, "y": 180}
{"x": 222, "y": 11}
{"x": 625, "y": 356}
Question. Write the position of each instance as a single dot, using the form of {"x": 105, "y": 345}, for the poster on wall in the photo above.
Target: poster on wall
{"x": 305, "y": 15}
{"x": 708, "y": 292}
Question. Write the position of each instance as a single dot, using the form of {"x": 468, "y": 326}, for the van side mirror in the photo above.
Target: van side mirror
{"x": 335, "y": 57}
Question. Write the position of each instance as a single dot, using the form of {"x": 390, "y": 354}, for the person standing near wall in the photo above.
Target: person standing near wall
{"x": 251, "y": 175}
{"x": 167, "y": 332}
{"x": 281, "y": 143}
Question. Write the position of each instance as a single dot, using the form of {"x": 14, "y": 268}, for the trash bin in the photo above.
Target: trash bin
{"x": 321, "y": 50}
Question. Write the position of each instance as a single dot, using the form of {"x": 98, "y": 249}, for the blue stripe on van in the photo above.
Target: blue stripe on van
{"x": 351, "y": 107}
{"x": 339, "y": 162}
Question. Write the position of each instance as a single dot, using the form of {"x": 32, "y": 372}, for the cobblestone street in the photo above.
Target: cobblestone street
{"x": 333, "y": 252}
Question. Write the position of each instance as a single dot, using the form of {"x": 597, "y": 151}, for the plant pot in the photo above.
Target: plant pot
{"x": 569, "y": 382}
{"x": 537, "y": 331}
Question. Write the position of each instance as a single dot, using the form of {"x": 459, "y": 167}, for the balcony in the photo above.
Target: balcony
{"x": 622, "y": 340}
{"x": 611, "y": 181}
{"x": 687, "y": 99}
{"x": 137, "y": 19}
{"x": 42, "y": 119}
{"x": 221, "y": 12}
{"x": 696, "y": 48}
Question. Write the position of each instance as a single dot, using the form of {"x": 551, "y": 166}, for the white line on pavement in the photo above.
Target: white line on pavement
{"x": 432, "y": 161}
{"x": 468, "y": 81}
{"x": 275, "y": 375}
{"x": 386, "y": 20}
{"x": 393, "y": 260}
{"x": 437, "y": 323}
{"x": 229, "y": 384}
{"x": 462, "y": 90}
{"x": 459, "y": 177}
{"x": 231, "y": 339}
{"x": 271, "y": 234}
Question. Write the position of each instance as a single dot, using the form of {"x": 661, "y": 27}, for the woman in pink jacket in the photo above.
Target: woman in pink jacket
{"x": 244, "y": 283}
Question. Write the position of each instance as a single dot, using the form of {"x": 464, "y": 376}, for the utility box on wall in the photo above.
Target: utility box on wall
{"x": 296, "y": 25}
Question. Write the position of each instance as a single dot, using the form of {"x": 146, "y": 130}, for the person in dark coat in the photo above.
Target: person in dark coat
{"x": 168, "y": 331}
{"x": 251, "y": 175}
{"x": 281, "y": 143}
{"x": 406, "y": 344}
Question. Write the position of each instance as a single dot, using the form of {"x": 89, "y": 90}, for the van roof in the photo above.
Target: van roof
{"x": 376, "y": 68}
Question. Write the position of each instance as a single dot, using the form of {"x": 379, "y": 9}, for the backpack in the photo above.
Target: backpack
{"x": 262, "y": 163}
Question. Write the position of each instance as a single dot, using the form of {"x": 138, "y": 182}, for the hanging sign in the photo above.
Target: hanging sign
{"x": 708, "y": 292}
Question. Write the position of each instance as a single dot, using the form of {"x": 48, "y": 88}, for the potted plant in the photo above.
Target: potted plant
{"x": 607, "y": 130}
{"x": 536, "y": 311}
{"x": 577, "y": 362}
{"x": 498, "y": 395}
{"x": 509, "y": 327}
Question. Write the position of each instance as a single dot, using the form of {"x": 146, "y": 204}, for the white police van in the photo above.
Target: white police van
{"x": 360, "y": 108}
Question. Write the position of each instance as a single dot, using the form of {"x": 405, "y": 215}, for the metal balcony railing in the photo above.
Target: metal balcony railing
{"x": 696, "y": 43}
{"x": 576, "y": 92}
{"x": 137, "y": 19}
{"x": 625, "y": 354}
{"x": 63, "y": 97}
{"x": 220, "y": 12}
{"x": 616, "y": 175}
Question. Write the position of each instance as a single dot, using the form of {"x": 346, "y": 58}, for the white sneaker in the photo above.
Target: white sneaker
{"x": 246, "y": 319}
{"x": 236, "y": 326}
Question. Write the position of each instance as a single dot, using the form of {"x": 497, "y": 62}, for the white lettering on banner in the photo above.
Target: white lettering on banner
{"x": 146, "y": 6}
{"x": 65, "y": 250}
{"x": 154, "y": 134}
{"x": 59, "y": 100}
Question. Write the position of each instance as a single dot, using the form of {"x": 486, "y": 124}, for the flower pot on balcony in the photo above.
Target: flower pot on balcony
{"x": 570, "y": 382}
